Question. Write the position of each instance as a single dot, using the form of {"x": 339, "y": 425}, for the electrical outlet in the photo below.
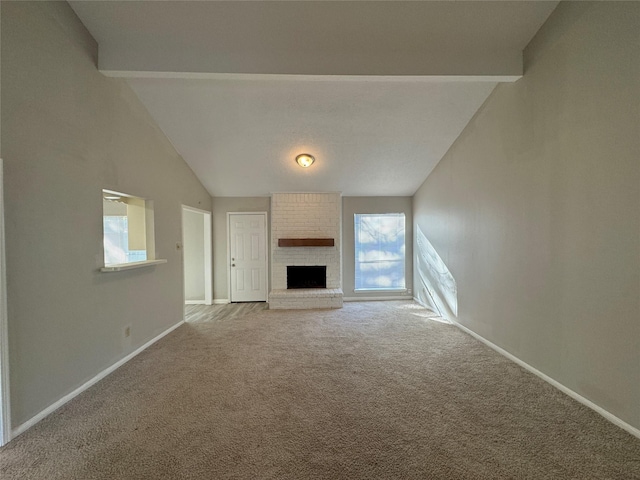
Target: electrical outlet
{"x": 409, "y": 291}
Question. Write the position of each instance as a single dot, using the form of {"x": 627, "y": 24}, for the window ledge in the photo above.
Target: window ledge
{"x": 381, "y": 290}
{"x": 118, "y": 267}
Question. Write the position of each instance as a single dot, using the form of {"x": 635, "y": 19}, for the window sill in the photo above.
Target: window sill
{"x": 381, "y": 290}
{"x": 118, "y": 267}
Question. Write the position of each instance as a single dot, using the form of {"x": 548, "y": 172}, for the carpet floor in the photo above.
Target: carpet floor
{"x": 376, "y": 390}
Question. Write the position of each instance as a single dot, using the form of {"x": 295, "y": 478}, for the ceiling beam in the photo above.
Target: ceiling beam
{"x": 445, "y": 40}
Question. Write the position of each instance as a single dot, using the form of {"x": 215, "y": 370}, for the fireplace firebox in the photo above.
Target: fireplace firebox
{"x": 306, "y": 277}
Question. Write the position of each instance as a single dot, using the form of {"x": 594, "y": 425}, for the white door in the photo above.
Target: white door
{"x": 248, "y": 257}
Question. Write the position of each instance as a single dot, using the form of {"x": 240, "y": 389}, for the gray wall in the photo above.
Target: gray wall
{"x": 193, "y": 232}
{"x": 222, "y": 205}
{"x": 68, "y": 132}
{"x": 353, "y": 205}
{"x": 535, "y": 208}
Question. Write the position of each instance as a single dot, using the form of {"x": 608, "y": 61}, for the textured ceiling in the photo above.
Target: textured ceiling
{"x": 369, "y": 138}
{"x": 377, "y": 91}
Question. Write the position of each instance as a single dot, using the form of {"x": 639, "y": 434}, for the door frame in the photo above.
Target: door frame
{"x": 208, "y": 252}
{"x": 5, "y": 408}
{"x": 266, "y": 250}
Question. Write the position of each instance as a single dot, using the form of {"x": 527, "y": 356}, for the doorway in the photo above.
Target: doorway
{"x": 196, "y": 256}
{"x": 247, "y": 256}
{"x": 5, "y": 423}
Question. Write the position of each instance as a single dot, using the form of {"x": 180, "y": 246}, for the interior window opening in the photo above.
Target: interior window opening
{"x": 128, "y": 228}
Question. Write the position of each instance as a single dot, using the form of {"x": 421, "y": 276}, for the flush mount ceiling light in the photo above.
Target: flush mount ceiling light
{"x": 305, "y": 160}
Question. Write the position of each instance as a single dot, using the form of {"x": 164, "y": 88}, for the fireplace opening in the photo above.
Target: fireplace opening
{"x": 306, "y": 277}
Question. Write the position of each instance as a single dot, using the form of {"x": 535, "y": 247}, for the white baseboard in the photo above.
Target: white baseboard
{"x": 53, "y": 407}
{"x": 220, "y": 301}
{"x": 429, "y": 307}
{"x": 576, "y": 396}
{"x": 375, "y": 299}
{"x": 195, "y": 302}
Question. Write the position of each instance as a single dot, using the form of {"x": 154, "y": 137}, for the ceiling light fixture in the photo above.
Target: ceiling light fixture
{"x": 305, "y": 160}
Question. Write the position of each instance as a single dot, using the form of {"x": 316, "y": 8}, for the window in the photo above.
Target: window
{"x": 379, "y": 251}
{"x": 128, "y": 228}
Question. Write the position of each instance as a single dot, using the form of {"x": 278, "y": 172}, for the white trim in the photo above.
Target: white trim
{"x": 576, "y": 396}
{"x": 228, "y": 257}
{"x": 221, "y": 301}
{"x": 313, "y": 78}
{"x": 430, "y": 307}
{"x": 208, "y": 259}
{"x": 130, "y": 266}
{"x": 53, "y": 407}
{"x": 195, "y": 210}
{"x": 196, "y": 302}
{"x": 208, "y": 252}
{"x": 5, "y": 407}
{"x": 375, "y": 299}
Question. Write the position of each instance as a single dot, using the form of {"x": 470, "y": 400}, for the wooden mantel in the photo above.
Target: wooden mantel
{"x": 306, "y": 242}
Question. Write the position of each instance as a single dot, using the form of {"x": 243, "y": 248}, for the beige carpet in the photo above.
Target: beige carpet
{"x": 373, "y": 391}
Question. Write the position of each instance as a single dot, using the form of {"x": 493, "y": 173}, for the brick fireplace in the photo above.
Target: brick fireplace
{"x": 306, "y": 232}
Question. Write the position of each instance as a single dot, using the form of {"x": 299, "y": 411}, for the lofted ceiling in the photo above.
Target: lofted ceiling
{"x": 376, "y": 91}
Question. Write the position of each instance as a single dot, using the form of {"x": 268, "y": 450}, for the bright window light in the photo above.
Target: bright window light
{"x": 116, "y": 241}
{"x": 380, "y": 248}
{"x": 128, "y": 228}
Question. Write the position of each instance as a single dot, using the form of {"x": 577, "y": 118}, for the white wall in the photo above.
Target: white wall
{"x": 222, "y": 205}
{"x": 353, "y": 205}
{"x": 535, "y": 208}
{"x": 68, "y": 132}
{"x": 193, "y": 234}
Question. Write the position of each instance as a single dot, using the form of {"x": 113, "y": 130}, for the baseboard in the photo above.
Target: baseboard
{"x": 375, "y": 299}
{"x": 53, "y": 407}
{"x": 195, "y": 302}
{"x": 221, "y": 301}
{"x": 576, "y": 396}
{"x": 431, "y": 308}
